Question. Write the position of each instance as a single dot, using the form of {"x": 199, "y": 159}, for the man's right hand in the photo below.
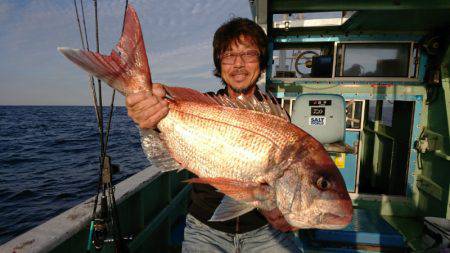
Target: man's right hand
{"x": 147, "y": 109}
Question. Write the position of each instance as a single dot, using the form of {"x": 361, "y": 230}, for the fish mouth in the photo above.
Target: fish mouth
{"x": 334, "y": 221}
{"x": 321, "y": 221}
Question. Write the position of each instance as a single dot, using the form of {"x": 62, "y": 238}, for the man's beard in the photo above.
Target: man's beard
{"x": 242, "y": 90}
{"x": 245, "y": 90}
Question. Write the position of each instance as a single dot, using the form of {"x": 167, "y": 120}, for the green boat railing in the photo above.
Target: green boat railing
{"x": 151, "y": 206}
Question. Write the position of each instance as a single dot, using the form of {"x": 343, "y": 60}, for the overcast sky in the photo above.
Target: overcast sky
{"x": 177, "y": 34}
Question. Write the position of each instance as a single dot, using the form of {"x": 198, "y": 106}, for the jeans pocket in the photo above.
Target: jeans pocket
{"x": 191, "y": 221}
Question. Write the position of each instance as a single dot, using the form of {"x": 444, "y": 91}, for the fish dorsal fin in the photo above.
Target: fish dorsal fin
{"x": 266, "y": 103}
{"x": 126, "y": 68}
{"x": 186, "y": 94}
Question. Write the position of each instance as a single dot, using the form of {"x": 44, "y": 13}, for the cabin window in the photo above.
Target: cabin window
{"x": 353, "y": 114}
{"x": 303, "y": 61}
{"x": 372, "y": 105}
{"x": 353, "y": 59}
{"x": 387, "y": 112}
{"x": 373, "y": 60}
{"x": 311, "y": 19}
{"x": 287, "y": 104}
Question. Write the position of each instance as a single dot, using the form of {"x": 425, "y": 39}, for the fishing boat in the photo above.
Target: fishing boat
{"x": 370, "y": 80}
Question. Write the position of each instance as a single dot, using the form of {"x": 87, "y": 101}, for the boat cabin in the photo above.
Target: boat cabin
{"x": 388, "y": 63}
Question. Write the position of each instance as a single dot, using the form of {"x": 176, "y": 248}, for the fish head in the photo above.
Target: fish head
{"x": 313, "y": 195}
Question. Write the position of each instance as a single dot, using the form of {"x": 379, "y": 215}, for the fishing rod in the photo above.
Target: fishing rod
{"x": 104, "y": 222}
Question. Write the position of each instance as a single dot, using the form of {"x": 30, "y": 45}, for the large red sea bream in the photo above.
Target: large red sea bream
{"x": 245, "y": 148}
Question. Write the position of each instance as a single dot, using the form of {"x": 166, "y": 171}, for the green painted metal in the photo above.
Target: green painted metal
{"x": 447, "y": 216}
{"x": 147, "y": 214}
{"x": 343, "y": 38}
{"x": 410, "y": 228}
{"x": 372, "y": 17}
{"x": 388, "y": 206}
{"x": 378, "y": 148}
{"x": 427, "y": 185}
{"x": 434, "y": 165}
{"x": 292, "y": 6}
{"x": 157, "y": 221}
{"x": 436, "y": 143}
{"x": 445, "y": 70}
{"x": 374, "y": 89}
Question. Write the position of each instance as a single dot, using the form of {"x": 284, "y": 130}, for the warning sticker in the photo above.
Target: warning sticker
{"x": 317, "y": 121}
{"x": 339, "y": 160}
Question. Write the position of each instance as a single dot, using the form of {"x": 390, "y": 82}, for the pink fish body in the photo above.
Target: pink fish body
{"x": 246, "y": 148}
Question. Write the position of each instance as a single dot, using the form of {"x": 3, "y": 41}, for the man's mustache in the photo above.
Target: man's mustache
{"x": 239, "y": 72}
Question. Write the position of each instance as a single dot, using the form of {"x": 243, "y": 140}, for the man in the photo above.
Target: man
{"x": 240, "y": 56}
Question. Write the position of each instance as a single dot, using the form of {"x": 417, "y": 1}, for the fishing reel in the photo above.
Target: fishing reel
{"x": 99, "y": 227}
{"x": 99, "y": 233}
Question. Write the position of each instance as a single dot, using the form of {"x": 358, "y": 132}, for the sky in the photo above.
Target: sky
{"x": 177, "y": 33}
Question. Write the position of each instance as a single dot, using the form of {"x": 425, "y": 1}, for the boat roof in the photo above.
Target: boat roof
{"x": 367, "y": 17}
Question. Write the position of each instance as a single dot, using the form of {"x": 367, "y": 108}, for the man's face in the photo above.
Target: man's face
{"x": 242, "y": 73}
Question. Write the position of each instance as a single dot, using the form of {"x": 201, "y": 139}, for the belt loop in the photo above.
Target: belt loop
{"x": 237, "y": 243}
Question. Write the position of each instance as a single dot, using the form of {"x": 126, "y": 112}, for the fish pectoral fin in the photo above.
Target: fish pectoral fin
{"x": 229, "y": 209}
{"x": 239, "y": 190}
{"x": 157, "y": 152}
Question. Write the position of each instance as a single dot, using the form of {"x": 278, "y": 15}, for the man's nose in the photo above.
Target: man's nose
{"x": 239, "y": 61}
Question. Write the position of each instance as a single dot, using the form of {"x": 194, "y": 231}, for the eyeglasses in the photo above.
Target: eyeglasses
{"x": 247, "y": 56}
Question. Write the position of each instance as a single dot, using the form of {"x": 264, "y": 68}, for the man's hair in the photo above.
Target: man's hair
{"x": 229, "y": 33}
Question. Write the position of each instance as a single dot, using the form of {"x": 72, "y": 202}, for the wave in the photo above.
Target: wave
{"x": 52, "y": 153}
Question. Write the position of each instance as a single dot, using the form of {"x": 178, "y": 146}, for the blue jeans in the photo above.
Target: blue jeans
{"x": 198, "y": 237}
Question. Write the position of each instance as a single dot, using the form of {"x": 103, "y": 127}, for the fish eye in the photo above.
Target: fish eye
{"x": 323, "y": 184}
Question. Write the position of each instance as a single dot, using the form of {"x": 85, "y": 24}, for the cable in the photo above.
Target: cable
{"x": 79, "y": 25}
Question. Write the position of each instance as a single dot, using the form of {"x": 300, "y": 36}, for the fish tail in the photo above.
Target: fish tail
{"x": 126, "y": 68}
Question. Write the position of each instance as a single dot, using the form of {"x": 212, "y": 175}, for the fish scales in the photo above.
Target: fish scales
{"x": 212, "y": 142}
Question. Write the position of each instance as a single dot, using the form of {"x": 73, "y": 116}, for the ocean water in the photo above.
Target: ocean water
{"x": 49, "y": 161}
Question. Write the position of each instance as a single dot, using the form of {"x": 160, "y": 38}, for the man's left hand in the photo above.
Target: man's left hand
{"x": 276, "y": 219}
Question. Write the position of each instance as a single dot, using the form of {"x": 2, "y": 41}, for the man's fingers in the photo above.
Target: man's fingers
{"x": 153, "y": 120}
{"x": 158, "y": 90}
{"x": 145, "y": 104}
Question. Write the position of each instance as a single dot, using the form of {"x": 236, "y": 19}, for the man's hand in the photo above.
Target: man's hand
{"x": 276, "y": 219}
{"x": 147, "y": 109}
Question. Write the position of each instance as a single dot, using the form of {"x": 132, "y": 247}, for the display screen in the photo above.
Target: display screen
{"x": 377, "y": 59}
{"x": 319, "y": 102}
{"x": 318, "y": 111}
